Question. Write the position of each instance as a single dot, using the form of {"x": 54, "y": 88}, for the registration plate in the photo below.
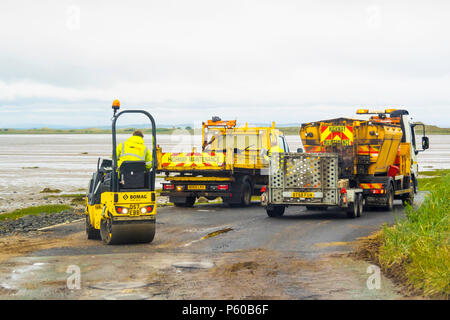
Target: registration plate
{"x": 196, "y": 187}
{"x": 302, "y": 194}
{"x": 134, "y": 210}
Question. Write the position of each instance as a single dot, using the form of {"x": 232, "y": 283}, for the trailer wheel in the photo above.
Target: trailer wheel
{"x": 390, "y": 199}
{"x": 360, "y": 205}
{"x": 352, "y": 211}
{"x": 275, "y": 211}
{"x": 92, "y": 233}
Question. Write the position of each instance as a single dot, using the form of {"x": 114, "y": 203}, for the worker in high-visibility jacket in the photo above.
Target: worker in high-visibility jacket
{"x": 134, "y": 149}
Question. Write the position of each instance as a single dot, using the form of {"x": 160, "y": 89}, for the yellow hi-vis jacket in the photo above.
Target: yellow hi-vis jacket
{"x": 134, "y": 149}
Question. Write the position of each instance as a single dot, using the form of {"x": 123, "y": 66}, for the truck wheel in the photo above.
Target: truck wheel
{"x": 390, "y": 199}
{"x": 408, "y": 198}
{"x": 92, "y": 233}
{"x": 352, "y": 210}
{"x": 275, "y": 211}
{"x": 360, "y": 205}
{"x": 246, "y": 194}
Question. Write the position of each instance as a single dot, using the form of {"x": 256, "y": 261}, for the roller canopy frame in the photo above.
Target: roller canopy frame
{"x": 152, "y": 173}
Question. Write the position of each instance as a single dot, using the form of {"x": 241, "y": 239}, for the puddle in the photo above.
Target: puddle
{"x": 332, "y": 244}
{"x": 18, "y": 274}
{"x": 215, "y": 233}
{"x": 209, "y": 235}
{"x": 193, "y": 265}
{"x": 125, "y": 296}
{"x": 118, "y": 286}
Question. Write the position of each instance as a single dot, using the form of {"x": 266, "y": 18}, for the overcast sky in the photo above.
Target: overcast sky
{"x": 64, "y": 62}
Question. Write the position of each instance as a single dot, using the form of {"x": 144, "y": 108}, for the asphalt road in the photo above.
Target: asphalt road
{"x": 221, "y": 240}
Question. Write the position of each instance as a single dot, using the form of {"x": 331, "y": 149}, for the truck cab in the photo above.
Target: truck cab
{"x": 411, "y": 131}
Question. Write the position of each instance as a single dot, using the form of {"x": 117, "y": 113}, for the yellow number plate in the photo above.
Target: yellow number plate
{"x": 196, "y": 187}
{"x": 134, "y": 210}
{"x": 302, "y": 195}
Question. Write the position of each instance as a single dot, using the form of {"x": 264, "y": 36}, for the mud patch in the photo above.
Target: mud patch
{"x": 248, "y": 265}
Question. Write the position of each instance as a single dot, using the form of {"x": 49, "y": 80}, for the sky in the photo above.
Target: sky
{"x": 63, "y": 62}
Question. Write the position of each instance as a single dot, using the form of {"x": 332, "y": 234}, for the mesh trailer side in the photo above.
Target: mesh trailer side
{"x": 304, "y": 172}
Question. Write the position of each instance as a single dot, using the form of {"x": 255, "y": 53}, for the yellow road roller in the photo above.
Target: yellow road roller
{"x": 121, "y": 201}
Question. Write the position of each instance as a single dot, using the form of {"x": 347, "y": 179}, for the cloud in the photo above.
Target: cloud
{"x": 254, "y": 60}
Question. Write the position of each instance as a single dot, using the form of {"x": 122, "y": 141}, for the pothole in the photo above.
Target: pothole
{"x": 118, "y": 286}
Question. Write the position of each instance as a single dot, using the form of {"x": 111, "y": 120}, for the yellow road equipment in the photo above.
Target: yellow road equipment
{"x": 232, "y": 164}
{"x": 121, "y": 201}
{"x": 349, "y": 163}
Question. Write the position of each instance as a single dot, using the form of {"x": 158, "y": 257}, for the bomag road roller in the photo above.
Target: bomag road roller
{"x": 121, "y": 201}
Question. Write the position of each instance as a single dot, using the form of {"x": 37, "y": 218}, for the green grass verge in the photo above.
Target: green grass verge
{"x": 51, "y": 208}
{"x": 416, "y": 249}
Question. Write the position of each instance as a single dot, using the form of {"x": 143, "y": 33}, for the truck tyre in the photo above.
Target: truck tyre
{"x": 275, "y": 211}
{"x": 352, "y": 210}
{"x": 246, "y": 194}
{"x": 92, "y": 233}
{"x": 408, "y": 199}
{"x": 390, "y": 199}
{"x": 360, "y": 205}
{"x": 242, "y": 193}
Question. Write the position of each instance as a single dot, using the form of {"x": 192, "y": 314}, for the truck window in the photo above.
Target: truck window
{"x": 286, "y": 145}
{"x": 281, "y": 143}
{"x": 413, "y": 137}
{"x": 247, "y": 142}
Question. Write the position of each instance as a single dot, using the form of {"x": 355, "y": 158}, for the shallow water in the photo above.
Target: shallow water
{"x": 66, "y": 162}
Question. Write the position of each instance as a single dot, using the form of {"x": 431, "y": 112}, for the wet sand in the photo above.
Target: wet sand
{"x": 30, "y": 163}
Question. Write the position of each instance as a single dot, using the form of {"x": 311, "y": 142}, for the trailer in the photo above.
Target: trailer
{"x": 311, "y": 180}
{"x": 373, "y": 162}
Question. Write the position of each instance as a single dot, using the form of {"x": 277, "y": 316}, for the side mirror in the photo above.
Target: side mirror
{"x": 300, "y": 150}
{"x": 425, "y": 143}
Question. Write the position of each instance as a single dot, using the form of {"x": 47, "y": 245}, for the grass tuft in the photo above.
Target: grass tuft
{"x": 51, "y": 208}
{"x": 415, "y": 250}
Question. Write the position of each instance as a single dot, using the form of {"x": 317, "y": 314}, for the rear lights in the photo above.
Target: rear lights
{"x": 263, "y": 189}
{"x": 222, "y": 187}
{"x": 142, "y": 210}
{"x": 122, "y": 210}
{"x": 343, "y": 196}
{"x": 147, "y": 209}
{"x": 168, "y": 187}
{"x": 180, "y": 188}
{"x": 378, "y": 191}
